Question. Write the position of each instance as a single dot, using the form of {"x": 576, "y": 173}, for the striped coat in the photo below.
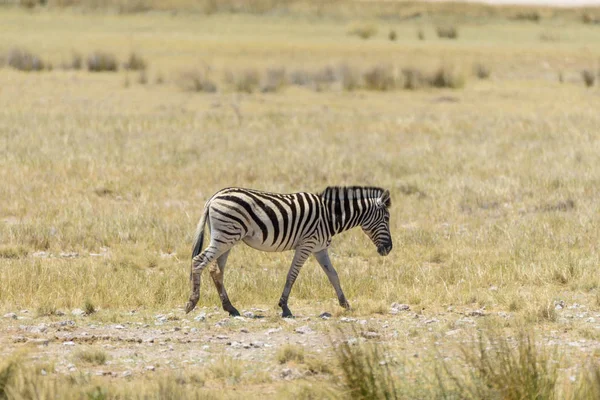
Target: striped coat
{"x": 304, "y": 222}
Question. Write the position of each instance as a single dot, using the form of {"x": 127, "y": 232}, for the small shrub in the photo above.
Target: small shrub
{"x": 101, "y": 62}
{"x": 23, "y": 60}
{"x": 413, "y": 78}
{"x": 91, "y": 356}
{"x": 350, "y": 78}
{"x": 196, "y": 80}
{"x": 447, "y": 32}
{"x": 588, "y": 77}
{"x": 481, "y": 71}
{"x": 142, "y": 77}
{"x": 227, "y": 370}
{"x": 380, "y": 78}
{"x": 274, "y": 80}
{"x": 76, "y": 61}
{"x": 363, "y": 31}
{"x": 447, "y": 77}
{"x": 590, "y": 19}
{"x": 135, "y": 62}
{"x": 89, "y": 307}
{"x": 160, "y": 79}
{"x": 502, "y": 369}
{"x": 561, "y": 77}
{"x": 421, "y": 34}
{"x": 549, "y": 37}
{"x": 365, "y": 374}
{"x": 532, "y": 16}
{"x": 324, "y": 77}
{"x": 246, "y": 81}
{"x": 45, "y": 310}
{"x": 301, "y": 77}
{"x": 392, "y": 35}
{"x": 13, "y": 252}
{"x": 290, "y": 352}
{"x": 589, "y": 382}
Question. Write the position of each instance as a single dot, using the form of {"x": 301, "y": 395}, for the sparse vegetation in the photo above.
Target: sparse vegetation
{"x": 481, "y": 71}
{"x": 447, "y": 32}
{"x": 289, "y": 353}
{"x": 588, "y": 77}
{"x": 197, "y": 80}
{"x": 24, "y": 60}
{"x": 135, "y": 62}
{"x": 494, "y": 190}
{"x": 101, "y": 61}
{"x": 366, "y": 31}
{"x": 92, "y": 356}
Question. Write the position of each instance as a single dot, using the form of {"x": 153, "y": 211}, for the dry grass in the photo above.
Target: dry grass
{"x": 494, "y": 186}
{"x": 91, "y": 356}
{"x": 101, "y": 61}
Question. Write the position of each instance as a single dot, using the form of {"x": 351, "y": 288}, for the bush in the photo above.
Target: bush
{"x": 274, "y": 80}
{"x": 503, "y": 369}
{"x": 246, "y": 81}
{"x": 101, "y": 61}
{"x": 91, "y": 356}
{"x": 363, "y": 31}
{"x": 76, "y": 61}
{"x": 380, "y": 78}
{"x": 301, "y": 77}
{"x": 392, "y": 35}
{"x": 588, "y": 77}
{"x": 196, "y": 80}
{"x": 420, "y": 34}
{"x": 365, "y": 374}
{"x": 135, "y": 62}
{"x": 447, "y": 32}
{"x": 290, "y": 352}
{"x": 447, "y": 77}
{"x": 350, "y": 78}
{"x": 532, "y": 16}
{"x": 24, "y": 60}
{"x": 413, "y": 78}
{"x": 481, "y": 71}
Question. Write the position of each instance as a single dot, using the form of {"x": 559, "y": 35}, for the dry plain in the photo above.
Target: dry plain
{"x": 495, "y": 214}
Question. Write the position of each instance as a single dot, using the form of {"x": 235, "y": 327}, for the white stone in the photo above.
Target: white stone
{"x": 78, "y": 312}
{"x": 10, "y": 315}
{"x": 304, "y": 329}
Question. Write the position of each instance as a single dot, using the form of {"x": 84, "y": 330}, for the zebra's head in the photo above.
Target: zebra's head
{"x": 377, "y": 224}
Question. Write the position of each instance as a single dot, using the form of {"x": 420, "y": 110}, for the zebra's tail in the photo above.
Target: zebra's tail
{"x": 199, "y": 235}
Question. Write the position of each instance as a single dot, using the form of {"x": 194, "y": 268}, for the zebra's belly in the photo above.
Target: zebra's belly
{"x": 259, "y": 244}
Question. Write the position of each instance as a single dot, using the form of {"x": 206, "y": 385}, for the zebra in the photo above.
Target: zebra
{"x": 304, "y": 222}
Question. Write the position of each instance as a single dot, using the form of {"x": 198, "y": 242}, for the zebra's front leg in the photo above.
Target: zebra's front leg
{"x": 198, "y": 264}
{"x": 325, "y": 263}
{"x": 216, "y": 273}
{"x": 300, "y": 257}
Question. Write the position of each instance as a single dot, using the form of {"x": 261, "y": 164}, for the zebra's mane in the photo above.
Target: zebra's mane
{"x": 351, "y": 192}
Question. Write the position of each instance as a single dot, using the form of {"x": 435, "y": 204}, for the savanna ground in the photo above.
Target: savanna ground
{"x": 495, "y": 185}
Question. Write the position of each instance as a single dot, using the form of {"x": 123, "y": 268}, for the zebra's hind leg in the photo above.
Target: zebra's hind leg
{"x": 325, "y": 263}
{"x": 216, "y": 273}
{"x": 299, "y": 259}
{"x": 198, "y": 264}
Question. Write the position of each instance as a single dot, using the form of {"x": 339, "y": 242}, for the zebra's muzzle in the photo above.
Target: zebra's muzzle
{"x": 384, "y": 250}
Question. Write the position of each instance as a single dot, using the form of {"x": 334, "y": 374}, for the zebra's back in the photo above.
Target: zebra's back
{"x": 263, "y": 220}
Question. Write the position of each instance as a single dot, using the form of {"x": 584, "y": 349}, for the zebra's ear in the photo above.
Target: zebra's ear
{"x": 384, "y": 200}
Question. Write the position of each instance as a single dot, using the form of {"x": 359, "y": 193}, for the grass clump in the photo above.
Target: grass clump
{"x": 365, "y": 374}
{"x": 247, "y": 80}
{"x": 588, "y": 76}
{"x": 91, "y": 356}
{"x": 350, "y": 77}
{"x": 447, "y": 32}
{"x": 135, "y": 62}
{"x": 101, "y": 61}
{"x": 227, "y": 370}
{"x": 392, "y": 35}
{"x": 504, "y": 368}
{"x": 274, "y": 80}
{"x": 289, "y": 353}
{"x": 89, "y": 307}
{"x": 447, "y": 76}
{"x": 481, "y": 71}
{"x": 365, "y": 31}
{"x": 197, "y": 80}
{"x": 24, "y": 60}
{"x": 381, "y": 78}
{"x": 589, "y": 382}
{"x": 13, "y": 252}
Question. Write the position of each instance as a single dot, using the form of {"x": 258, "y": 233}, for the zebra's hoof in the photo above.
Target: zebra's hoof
{"x": 346, "y": 305}
{"x": 190, "y": 306}
{"x": 233, "y": 312}
{"x": 287, "y": 313}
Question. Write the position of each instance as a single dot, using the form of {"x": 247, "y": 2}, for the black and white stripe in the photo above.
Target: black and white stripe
{"x": 304, "y": 222}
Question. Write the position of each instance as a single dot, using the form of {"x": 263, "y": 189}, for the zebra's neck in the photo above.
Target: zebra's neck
{"x": 347, "y": 207}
